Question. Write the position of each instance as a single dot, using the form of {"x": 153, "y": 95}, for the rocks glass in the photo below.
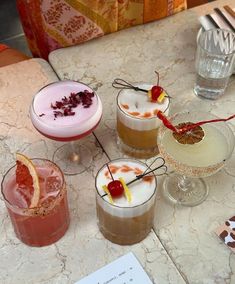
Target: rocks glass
{"x": 121, "y": 221}
{"x": 46, "y": 223}
{"x": 215, "y": 58}
{"x": 137, "y": 124}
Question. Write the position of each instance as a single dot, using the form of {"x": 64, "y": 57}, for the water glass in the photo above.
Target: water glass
{"x": 215, "y": 62}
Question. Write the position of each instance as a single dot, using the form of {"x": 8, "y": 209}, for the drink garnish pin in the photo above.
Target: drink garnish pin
{"x": 125, "y": 185}
{"x": 156, "y": 93}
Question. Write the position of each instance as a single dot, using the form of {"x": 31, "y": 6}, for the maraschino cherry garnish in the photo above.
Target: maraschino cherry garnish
{"x": 156, "y": 94}
{"x": 115, "y": 188}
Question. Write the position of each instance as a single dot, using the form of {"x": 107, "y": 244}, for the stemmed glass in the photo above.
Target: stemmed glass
{"x": 67, "y": 111}
{"x": 192, "y": 162}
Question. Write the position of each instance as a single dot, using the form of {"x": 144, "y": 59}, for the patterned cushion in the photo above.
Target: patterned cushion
{"x": 51, "y": 24}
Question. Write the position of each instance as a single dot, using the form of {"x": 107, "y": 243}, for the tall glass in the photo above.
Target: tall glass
{"x": 56, "y": 114}
{"x": 47, "y": 223}
{"x": 192, "y": 162}
{"x": 124, "y": 222}
{"x": 137, "y": 125}
{"x": 215, "y": 58}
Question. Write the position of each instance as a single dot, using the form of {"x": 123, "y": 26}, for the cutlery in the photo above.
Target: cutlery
{"x": 222, "y": 16}
{"x": 230, "y": 11}
{"x": 208, "y": 16}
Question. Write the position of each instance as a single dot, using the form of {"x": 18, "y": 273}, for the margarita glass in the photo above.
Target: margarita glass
{"x": 192, "y": 162}
{"x": 120, "y": 220}
{"x": 49, "y": 220}
{"x": 67, "y": 111}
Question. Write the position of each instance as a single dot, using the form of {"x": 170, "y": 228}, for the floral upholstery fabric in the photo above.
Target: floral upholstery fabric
{"x": 51, "y": 24}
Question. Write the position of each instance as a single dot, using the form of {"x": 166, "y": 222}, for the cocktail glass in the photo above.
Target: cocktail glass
{"x": 46, "y": 223}
{"x": 126, "y": 222}
{"x": 72, "y": 158}
{"x": 137, "y": 125}
{"x": 193, "y": 162}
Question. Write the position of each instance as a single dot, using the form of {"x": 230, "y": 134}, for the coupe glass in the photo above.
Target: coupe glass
{"x": 191, "y": 163}
{"x": 73, "y": 158}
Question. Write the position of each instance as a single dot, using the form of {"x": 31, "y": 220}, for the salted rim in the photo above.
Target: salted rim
{"x": 117, "y": 206}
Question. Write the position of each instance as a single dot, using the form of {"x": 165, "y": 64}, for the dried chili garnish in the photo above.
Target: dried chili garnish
{"x": 193, "y": 125}
{"x": 166, "y": 122}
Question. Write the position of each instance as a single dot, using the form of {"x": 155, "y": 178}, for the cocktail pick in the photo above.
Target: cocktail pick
{"x": 161, "y": 166}
{"x": 156, "y": 93}
{"x": 148, "y": 171}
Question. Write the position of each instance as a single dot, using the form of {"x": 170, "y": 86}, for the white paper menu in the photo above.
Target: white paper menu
{"x": 124, "y": 270}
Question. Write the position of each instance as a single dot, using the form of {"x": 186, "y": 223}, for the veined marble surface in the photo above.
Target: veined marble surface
{"x": 168, "y": 46}
{"x": 72, "y": 257}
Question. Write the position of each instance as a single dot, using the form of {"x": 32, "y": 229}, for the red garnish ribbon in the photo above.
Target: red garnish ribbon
{"x": 192, "y": 126}
{"x": 189, "y": 127}
{"x": 166, "y": 122}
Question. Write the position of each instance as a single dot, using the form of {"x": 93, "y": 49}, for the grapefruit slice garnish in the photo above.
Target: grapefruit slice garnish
{"x": 192, "y": 136}
{"x": 27, "y": 177}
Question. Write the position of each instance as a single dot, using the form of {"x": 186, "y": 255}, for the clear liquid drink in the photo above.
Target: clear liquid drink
{"x": 215, "y": 58}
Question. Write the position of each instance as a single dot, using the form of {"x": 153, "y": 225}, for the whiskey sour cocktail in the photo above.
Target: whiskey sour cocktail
{"x": 66, "y": 110}
{"x": 199, "y": 152}
{"x": 137, "y": 125}
{"x": 38, "y": 219}
{"x": 125, "y": 217}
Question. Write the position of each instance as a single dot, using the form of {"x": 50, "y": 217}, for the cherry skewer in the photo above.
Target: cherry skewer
{"x": 140, "y": 176}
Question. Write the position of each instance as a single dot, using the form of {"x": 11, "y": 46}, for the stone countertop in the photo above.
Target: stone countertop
{"x": 72, "y": 257}
{"x": 168, "y": 46}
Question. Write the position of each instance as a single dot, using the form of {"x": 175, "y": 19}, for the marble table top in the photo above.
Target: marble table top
{"x": 168, "y": 46}
{"x": 72, "y": 257}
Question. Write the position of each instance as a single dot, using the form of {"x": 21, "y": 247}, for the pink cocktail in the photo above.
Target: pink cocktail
{"x": 67, "y": 111}
{"x": 49, "y": 220}
{"x": 81, "y": 120}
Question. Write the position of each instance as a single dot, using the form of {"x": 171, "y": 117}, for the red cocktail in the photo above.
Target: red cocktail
{"x": 46, "y": 222}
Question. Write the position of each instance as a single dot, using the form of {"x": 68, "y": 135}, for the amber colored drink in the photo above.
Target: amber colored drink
{"x": 121, "y": 221}
{"x": 46, "y": 223}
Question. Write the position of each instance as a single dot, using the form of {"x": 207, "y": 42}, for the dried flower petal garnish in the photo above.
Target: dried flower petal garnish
{"x": 67, "y": 104}
{"x": 191, "y": 136}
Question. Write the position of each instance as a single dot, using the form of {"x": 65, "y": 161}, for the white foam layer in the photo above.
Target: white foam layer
{"x": 65, "y": 126}
{"x": 143, "y": 192}
{"x": 138, "y": 102}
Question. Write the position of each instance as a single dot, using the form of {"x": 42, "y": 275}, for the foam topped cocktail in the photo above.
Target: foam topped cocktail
{"x": 137, "y": 125}
{"x": 67, "y": 111}
{"x": 199, "y": 152}
{"x": 126, "y": 213}
{"x": 37, "y": 204}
